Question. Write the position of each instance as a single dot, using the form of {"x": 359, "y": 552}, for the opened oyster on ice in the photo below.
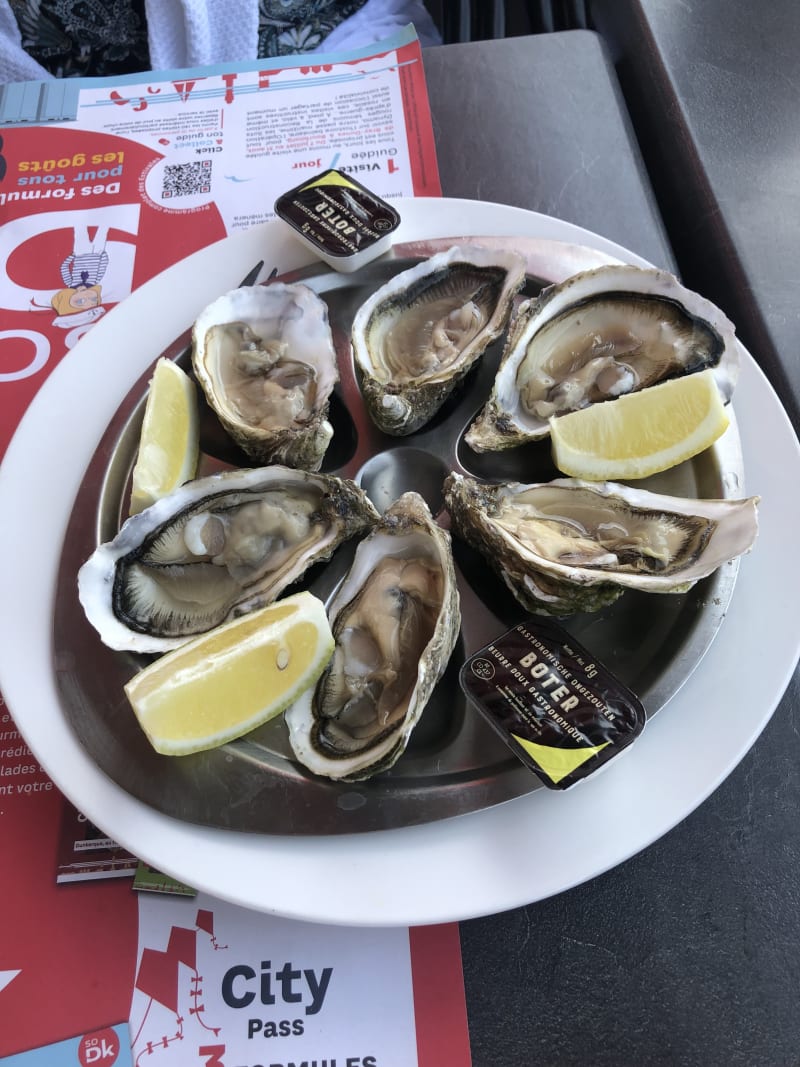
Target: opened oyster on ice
{"x": 596, "y": 336}
{"x": 567, "y": 546}
{"x": 215, "y": 548}
{"x": 418, "y": 335}
{"x": 395, "y": 619}
{"x": 265, "y": 359}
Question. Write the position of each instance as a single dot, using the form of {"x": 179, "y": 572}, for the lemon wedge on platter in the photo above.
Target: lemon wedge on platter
{"x": 233, "y": 678}
{"x": 169, "y": 442}
{"x": 640, "y": 433}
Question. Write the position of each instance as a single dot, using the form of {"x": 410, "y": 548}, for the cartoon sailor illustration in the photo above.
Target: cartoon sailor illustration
{"x": 81, "y": 272}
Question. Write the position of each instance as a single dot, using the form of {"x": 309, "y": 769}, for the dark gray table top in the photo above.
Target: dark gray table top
{"x": 713, "y": 93}
{"x": 688, "y": 953}
{"x": 561, "y": 142}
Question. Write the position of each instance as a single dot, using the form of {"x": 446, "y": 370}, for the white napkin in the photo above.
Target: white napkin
{"x": 378, "y": 19}
{"x": 195, "y": 33}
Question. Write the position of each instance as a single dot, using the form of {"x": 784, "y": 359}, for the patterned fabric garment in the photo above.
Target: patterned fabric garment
{"x": 84, "y": 38}
{"x": 286, "y": 27}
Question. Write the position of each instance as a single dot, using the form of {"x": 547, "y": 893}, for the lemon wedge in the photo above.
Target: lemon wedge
{"x": 169, "y": 441}
{"x": 640, "y": 433}
{"x": 233, "y": 678}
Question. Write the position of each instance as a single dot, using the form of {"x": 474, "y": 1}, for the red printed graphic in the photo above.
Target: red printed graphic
{"x": 100, "y": 1049}
{"x": 440, "y": 1010}
{"x": 421, "y": 147}
{"x": 77, "y": 236}
{"x": 78, "y": 941}
{"x": 159, "y": 978}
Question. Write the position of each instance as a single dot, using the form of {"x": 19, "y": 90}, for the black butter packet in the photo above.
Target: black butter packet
{"x": 339, "y": 219}
{"x": 563, "y": 714}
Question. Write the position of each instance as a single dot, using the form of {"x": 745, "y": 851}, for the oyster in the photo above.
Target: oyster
{"x": 593, "y": 337}
{"x": 417, "y": 336}
{"x": 265, "y": 359}
{"x": 567, "y": 545}
{"x": 395, "y": 619}
{"x": 216, "y": 548}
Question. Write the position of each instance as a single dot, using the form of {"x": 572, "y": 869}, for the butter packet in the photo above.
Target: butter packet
{"x": 561, "y": 712}
{"x": 339, "y": 219}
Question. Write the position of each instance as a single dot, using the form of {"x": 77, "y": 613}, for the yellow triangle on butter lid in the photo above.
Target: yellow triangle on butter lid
{"x": 331, "y": 177}
{"x": 557, "y": 763}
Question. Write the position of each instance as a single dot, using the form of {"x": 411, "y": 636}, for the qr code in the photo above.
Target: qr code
{"x": 186, "y": 179}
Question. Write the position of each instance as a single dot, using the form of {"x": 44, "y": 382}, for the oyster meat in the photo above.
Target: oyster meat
{"x": 216, "y": 548}
{"x": 265, "y": 359}
{"x": 395, "y": 619}
{"x": 417, "y": 336}
{"x": 594, "y": 337}
{"x": 567, "y": 545}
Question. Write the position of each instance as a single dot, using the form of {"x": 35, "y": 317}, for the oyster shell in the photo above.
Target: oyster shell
{"x": 593, "y": 337}
{"x": 395, "y": 619}
{"x": 215, "y": 548}
{"x": 265, "y": 359}
{"x": 417, "y": 336}
{"x": 567, "y": 545}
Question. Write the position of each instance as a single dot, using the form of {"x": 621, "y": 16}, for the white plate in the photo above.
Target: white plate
{"x": 485, "y": 862}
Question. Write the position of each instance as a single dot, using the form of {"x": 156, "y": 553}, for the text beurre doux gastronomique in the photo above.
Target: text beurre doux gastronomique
{"x": 562, "y": 713}
{"x": 342, "y": 221}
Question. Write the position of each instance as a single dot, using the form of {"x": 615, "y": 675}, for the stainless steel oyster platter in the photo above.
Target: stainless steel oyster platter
{"x": 453, "y": 762}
